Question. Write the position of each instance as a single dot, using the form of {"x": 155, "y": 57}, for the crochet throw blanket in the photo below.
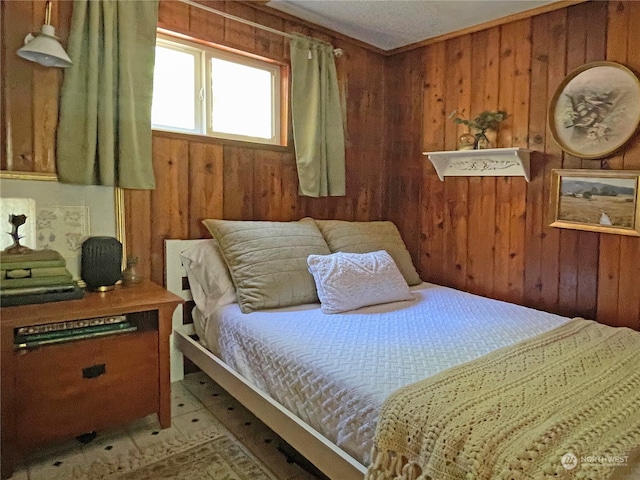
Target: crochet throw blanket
{"x": 564, "y": 404}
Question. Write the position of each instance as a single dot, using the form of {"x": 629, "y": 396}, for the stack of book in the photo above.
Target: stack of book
{"x": 37, "y": 335}
{"x": 38, "y": 276}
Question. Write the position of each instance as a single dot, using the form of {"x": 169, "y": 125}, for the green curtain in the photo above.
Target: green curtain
{"x": 104, "y": 132}
{"x": 317, "y": 118}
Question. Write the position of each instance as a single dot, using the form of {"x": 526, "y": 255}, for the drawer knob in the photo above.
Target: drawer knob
{"x": 94, "y": 371}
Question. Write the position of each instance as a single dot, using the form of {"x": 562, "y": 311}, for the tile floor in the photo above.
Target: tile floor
{"x": 196, "y": 402}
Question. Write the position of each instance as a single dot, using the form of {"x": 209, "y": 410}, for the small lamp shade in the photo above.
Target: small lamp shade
{"x": 45, "y": 49}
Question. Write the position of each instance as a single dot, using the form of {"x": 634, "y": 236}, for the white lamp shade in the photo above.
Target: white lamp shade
{"x": 45, "y": 49}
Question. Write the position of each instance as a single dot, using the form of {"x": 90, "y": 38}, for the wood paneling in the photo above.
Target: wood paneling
{"x": 485, "y": 73}
{"x": 407, "y": 111}
{"x": 431, "y": 259}
{"x": 206, "y": 184}
{"x": 618, "y": 292}
{"x": 485, "y": 235}
{"x": 19, "y": 93}
{"x": 491, "y": 235}
{"x": 198, "y": 178}
{"x": 29, "y": 90}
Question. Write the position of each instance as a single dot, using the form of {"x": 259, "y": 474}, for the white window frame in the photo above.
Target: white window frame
{"x": 203, "y": 101}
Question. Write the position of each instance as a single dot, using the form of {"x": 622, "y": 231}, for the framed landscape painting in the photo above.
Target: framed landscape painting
{"x": 596, "y": 200}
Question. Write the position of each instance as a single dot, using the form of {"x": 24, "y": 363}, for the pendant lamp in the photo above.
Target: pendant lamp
{"x": 45, "y": 48}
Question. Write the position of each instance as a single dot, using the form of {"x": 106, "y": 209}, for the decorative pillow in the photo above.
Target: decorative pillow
{"x": 268, "y": 260}
{"x": 209, "y": 278}
{"x": 363, "y": 237}
{"x": 347, "y": 281}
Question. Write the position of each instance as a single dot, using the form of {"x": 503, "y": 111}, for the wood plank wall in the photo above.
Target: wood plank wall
{"x": 490, "y": 235}
{"x": 199, "y": 178}
{"x": 28, "y": 91}
{"x": 484, "y": 235}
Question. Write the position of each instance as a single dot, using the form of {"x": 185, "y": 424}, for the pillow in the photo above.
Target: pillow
{"x": 346, "y": 281}
{"x": 268, "y": 260}
{"x": 363, "y": 237}
{"x": 209, "y": 278}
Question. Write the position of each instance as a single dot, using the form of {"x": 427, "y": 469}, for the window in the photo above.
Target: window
{"x": 207, "y": 91}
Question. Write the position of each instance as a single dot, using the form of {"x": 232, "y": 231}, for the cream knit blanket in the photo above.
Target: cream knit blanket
{"x": 517, "y": 412}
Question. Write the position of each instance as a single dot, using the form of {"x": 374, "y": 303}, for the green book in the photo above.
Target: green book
{"x": 70, "y": 324}
{"x": 71, "y": 332}
{"x": 44, "y": 297}
{"x": 34, "y": 259}
{"x": 9, "y": 283}
{"x": 33, "y": 272}
{"x": 14, "y": 292}
{"x": 32, "y": 256}
{"x": 80, "y": 336}
{"x": 16, "y": 265}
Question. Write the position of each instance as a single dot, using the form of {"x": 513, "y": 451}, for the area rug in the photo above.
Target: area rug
{"x": 209, "y": 455}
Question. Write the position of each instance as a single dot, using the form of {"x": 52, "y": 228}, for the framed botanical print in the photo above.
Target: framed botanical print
{"x": 595, "y": 110}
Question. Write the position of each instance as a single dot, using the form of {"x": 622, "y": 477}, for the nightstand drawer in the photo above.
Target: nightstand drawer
{"x": 73, "y": 388}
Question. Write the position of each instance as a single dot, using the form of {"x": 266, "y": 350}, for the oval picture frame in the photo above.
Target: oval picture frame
{"x": 595, "y": 110}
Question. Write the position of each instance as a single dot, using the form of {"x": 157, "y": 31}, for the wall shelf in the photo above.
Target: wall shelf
{"x": 489, "y": 162}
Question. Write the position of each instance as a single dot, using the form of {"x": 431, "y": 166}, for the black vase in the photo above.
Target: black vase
{"x": 101, "y": 262}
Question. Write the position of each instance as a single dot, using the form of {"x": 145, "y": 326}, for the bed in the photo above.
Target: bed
{"x": 322, "y": 380}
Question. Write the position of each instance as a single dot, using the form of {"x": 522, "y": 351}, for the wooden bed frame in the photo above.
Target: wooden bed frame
{"x": 325, "y": 455}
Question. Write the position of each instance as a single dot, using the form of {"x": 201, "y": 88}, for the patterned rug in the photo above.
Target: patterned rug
{"x": 210, "y": 455}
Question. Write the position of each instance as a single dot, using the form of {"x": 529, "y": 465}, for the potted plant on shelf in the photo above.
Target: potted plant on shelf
{"x": 487, "y": 120}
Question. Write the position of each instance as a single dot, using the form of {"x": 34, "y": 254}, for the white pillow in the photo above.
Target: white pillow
{"x": 347, "y": 281}
{"x": 209, "y": 278}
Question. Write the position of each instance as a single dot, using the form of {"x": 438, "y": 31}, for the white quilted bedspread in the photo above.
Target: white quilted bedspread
{"x": 334, "y": 371}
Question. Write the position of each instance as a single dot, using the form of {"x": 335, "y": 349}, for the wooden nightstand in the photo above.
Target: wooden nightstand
{"x": 67, "y": 389}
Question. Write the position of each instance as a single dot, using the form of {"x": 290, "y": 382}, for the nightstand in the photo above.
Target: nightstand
{"x": 66, "y": 389}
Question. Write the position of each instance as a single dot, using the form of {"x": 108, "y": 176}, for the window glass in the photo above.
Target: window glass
{"x": 174, "y": 89}
{"x": 242, "y": 99}
{"x": 234, "y": 96}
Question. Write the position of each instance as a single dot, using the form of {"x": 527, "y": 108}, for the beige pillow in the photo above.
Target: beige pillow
{"x": 348, "y": 281}
{"x": 268, "y": 260}
{"x": 364, "y": 237}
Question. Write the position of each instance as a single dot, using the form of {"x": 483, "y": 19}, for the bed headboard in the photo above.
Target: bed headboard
{"x": 176, "y": 282}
